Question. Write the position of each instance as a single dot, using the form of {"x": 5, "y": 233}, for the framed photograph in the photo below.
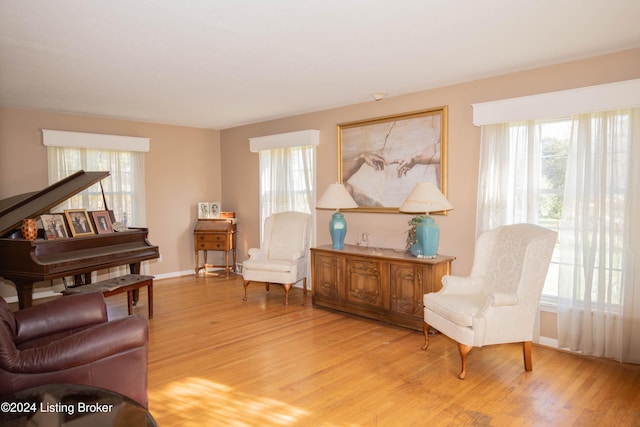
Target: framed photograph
{"x": 54, "y": 226}
{"x": 79, "y": 222}
{"x": 382, "y": 159}
{"x": 203, "y": 210}
{"x": 102, "y": 222}
{"x": 214, "y": 210}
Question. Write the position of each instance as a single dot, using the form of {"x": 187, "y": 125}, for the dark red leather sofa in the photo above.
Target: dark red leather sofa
{"x": 70, "y": 340}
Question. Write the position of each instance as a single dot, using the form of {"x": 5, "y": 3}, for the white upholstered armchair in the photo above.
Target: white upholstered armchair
{"x": 283, "y": 255}
{"x": 498, "y": 302}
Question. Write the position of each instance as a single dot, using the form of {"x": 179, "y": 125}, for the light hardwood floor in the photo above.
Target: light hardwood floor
{"x": 215, "y": 360}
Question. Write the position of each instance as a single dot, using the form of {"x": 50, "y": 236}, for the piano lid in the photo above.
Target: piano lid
{"x": 14, "y": 209}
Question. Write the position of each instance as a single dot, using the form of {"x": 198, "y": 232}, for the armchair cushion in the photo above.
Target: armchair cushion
{"x": 272, "y": 265}
{"x": 459, "y": 309}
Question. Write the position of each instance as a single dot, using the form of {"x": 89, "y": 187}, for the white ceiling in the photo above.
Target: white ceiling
{"x": 223, "y": 63}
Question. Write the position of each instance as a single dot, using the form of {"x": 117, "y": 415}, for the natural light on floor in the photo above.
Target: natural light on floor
{"x": 172, "y": 406}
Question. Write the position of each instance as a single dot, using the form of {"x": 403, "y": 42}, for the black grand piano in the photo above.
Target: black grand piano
{"x": 25, "y": 262}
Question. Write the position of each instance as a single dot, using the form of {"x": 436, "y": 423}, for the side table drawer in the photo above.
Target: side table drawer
{"x": 211, "y": 241}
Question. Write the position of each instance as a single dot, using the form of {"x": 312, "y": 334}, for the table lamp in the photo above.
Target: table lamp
{"x": 337, "y": 197}
{"x": 426, "y": 198}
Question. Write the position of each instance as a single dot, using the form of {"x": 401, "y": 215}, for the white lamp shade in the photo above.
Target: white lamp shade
{"x": 425, "y": 198}
{"x": 336, "y": 197}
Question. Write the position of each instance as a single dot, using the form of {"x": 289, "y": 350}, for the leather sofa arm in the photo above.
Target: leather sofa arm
{"x": 81, "y": 348}
{"x": 59, "y": 315}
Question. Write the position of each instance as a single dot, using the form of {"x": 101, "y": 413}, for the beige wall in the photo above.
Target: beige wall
{"x": 182, "y": 168}
{"x": 457, "y": 230}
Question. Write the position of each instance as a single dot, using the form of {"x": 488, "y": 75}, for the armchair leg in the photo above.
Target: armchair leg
{"x": 246, "y": 283}
{"x": 464, "y": 351}
{"x": 526, "y": 351}
{"x": 304, "y": 285}
{"x": 287, "y": 286}
{"x": 425, "y": 329}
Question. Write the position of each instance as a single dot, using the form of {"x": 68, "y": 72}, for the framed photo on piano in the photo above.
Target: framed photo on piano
{"x": 54, "y": 226}
{"x": 79, "y": 222}
{"x": 102, "y": 222}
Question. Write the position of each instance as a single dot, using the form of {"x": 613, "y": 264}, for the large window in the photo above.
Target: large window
{"x": 123, "y": 190}
{"x": 121, "y": 156}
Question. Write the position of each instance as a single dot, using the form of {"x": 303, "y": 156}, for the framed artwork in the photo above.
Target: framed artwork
{"x": 54, "y": 226}
{"x": 79, "y": 222}
{"x": 214, "y": 209}
{"x": 382, "y": 159}
{"x": 203, "y": 210}
{"x": 102, "y": 222}
{"x": 209, "y": 210}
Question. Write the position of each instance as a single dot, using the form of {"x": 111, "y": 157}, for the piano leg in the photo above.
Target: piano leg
{"x": 24, "y": 288}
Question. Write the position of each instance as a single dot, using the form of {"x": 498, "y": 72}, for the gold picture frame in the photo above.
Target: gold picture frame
{"x": 79, "y": 222}
{"x": 381, "y": 160}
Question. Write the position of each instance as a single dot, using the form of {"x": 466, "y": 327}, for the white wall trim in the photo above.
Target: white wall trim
{"x": 606, "y": 97}
{"x": 60, "y": 138}
{"x": 284, "y": 140}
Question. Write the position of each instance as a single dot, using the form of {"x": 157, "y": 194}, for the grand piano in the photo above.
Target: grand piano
{"x": 25, "y": 262}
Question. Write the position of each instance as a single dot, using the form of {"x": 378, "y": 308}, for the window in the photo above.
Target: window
{"x": 123, "y": 189}
{"x": 287, "y": 172}
{"x": 543, "y": 147}
{"x": 122, "y": 156}
{"x": 554, "y": 148}
{"x": 287, "y": 180}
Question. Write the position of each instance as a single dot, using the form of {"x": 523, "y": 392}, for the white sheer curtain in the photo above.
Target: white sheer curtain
{"x": 508, "y": 175}
{"x": 599, "y": 282}
{"x": 287, "y": 180}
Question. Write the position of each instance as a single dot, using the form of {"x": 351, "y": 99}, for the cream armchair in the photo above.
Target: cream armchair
{"x": 283, "y": 255}
{"x": 498, "y": 302}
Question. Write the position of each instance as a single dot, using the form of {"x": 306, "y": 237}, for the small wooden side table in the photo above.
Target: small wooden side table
{"x": 215, "y": 235}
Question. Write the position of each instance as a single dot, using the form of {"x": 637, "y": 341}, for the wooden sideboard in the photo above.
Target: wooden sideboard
{"x": 215, "y": 235}
{"x": 381, "y": 284}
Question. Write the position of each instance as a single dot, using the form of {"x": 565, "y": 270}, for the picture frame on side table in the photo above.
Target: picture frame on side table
{"x": 214, "y": 210}
{"x": 382, "y": 159}
{"x": 203, "y": 210}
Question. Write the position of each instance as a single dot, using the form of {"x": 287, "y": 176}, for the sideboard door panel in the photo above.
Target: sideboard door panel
{"x": 406, "y": 289}
{"x": 325, "y": 279}
{"x": 363, "y": 282}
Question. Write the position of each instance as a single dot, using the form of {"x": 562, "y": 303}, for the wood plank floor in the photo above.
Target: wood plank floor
{"x": 215, "y": 360}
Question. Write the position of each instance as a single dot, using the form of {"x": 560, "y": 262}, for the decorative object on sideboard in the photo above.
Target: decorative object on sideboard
{"x": 29, "y": 229}
{"x": 426, "y": 198}
{"x": 337, "y": 197}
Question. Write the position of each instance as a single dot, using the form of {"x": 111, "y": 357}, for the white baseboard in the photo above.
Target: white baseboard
{"x": 36, "y": 295}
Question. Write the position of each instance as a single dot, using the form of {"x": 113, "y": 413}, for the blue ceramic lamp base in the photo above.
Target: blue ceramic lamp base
{"x": 427, "y": 237}
{"x": 338, "y": 230}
